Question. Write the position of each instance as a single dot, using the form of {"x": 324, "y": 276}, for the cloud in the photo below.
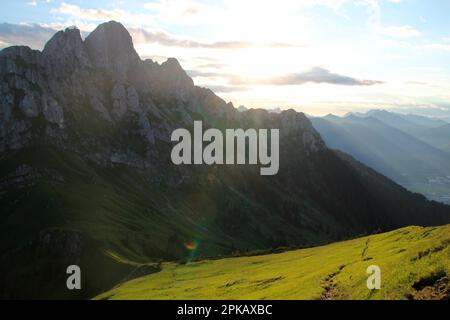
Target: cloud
{"x": 314, "y": 75}
{"x": 418, "y": 83}
{"x": 144, "y": 36}
{"x": 36, "y": 35}
{"x": 32, "y": 35}
{"x": 205, "y": 74}
{"x": 374, "y": 10}
{"x": 90, "y": 14}
{"x": 438, "y": 46}
{"x": 251, "y": 20}
{"x": 213, "y": 65}
{"x": 226, "y": 89}
{"x": 399, "y": 31}
{"x": 34, "y": 3}
{"x": 3, "y": 44}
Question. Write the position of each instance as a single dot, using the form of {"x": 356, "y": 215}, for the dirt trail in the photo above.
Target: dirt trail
{"x": 329, "y": 286}
{"x": 363, "y": 253}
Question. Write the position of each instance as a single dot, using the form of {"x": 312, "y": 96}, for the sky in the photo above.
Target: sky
{"x": 315, "y": 56}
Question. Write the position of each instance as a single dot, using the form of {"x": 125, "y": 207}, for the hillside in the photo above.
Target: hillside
{"x": 412, "y": 125}
{"x": 414, "y": 264}
{"x": 404, "y": 158}
{"x": 86, "y": 176}
{"x": 434, "y": 132}
{"x": 438, "y": 136}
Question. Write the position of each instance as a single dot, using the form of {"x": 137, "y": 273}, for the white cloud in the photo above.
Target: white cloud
{"x": 34, "y": 3}
{"x": 89, "y": 14}
{"x": 4, "y": 44}
{"x": 255, "y": 20}
{"x": 164, "y": 39}
{"x": 398, "y": 31}
{"x": 374, "y": 11}
{"x": 84, "y": 16}
{"x": 438, "y": 46}
{"x": 32, "y": 35}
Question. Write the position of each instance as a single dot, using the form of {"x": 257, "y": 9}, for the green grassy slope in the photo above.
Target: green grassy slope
{"x": 414, "y": 262}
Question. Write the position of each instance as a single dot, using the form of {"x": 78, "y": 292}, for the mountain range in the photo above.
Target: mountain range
{"x": 409, "y": 149}
{"x": 86, "y": 176}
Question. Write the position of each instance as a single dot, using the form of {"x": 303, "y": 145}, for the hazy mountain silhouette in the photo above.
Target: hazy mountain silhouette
{"x": 380, "y": 139}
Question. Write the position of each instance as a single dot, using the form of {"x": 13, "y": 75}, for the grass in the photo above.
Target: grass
{"x": 413, "y": 262}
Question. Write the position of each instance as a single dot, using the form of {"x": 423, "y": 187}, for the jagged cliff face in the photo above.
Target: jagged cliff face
{"x": 103, "y": 79}
{"x": 85, "y": 163}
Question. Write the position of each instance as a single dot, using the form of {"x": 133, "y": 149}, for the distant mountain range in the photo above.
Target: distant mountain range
{"x": 410, "y": 149}
{"x": 438, "y": 137}
{"x": 86, "y": 176}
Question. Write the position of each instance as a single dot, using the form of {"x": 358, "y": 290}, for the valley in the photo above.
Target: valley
{"x": 398, "y": 146}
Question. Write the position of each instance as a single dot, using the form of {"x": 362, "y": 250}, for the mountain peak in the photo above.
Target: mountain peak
{"x": 69, "y": 34}
{"x": 113, "y": 28}
{"x": 70, "y": 37}
{"x": 333, "y": 116}
{"x": 378, "y": 112}
{"x": 65, "y": 51}
{"x": 172, "y": 63}
{"x": 174, "y": 78}
{"x": 110, "y": 47}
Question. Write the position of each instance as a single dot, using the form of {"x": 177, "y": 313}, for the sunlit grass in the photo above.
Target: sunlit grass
{"x": 405, "y": 256}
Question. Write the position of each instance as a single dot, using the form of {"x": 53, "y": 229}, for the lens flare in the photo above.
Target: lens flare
{"x": 191, "y": 245}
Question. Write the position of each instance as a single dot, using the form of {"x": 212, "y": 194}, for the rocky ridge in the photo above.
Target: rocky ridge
{"x": 103, "y": 77}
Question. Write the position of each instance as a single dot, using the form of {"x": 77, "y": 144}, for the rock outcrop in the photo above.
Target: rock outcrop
{"x": 103, "y": 81}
